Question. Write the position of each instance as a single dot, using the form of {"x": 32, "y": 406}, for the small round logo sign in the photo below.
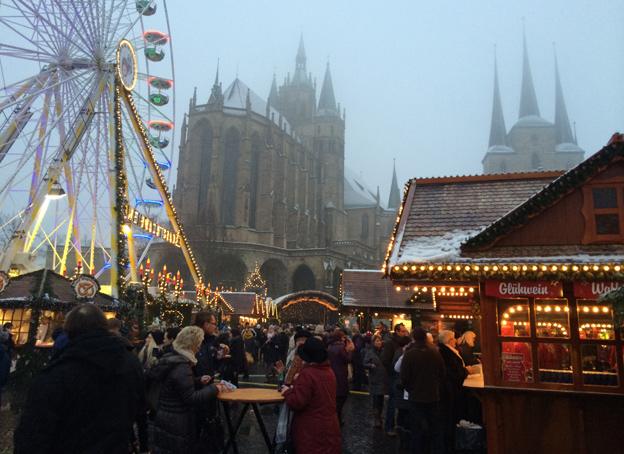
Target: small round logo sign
{"x": 127, "y": 68}
{"x": 4, "y": 281}
{"x": 85, "y": 287}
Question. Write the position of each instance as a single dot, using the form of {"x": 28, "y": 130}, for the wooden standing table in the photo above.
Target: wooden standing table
{"x": 253, "y": 397}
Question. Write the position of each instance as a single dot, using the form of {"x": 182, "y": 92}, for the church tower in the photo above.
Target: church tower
{"x": 532, "y": 143}
{"x": 297, "y": 97}
{"x": 328, "y": 142}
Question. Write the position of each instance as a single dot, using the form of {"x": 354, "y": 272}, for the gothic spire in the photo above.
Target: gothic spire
{"x": 563, "y": 131}
{"x": 216, "y": 94}
{"x": 394, "y": 201}
{"x": 528, "y": 99}
{"x": 498, "y": 131}
{"x": 273, "y": 96}
{"x": 300, "y": 76}
{"x": 327, "y": 101}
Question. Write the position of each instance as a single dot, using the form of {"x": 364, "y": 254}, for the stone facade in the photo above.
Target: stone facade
{"x": 265, "y": 182}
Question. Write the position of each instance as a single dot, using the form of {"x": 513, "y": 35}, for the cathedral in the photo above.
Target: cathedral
{"x": 533, "y": 143}
{"x": 264, "y": 183}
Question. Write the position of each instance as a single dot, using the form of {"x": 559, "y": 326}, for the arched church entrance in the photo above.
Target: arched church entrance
{"x": 303, "y": 279}
{"x": 274, "y": 272}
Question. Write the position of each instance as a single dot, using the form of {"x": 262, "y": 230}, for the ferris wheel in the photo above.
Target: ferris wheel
{"x": 87, "y": 116}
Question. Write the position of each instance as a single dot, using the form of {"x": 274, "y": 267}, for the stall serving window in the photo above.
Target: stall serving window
{"x": 49, "y": 323}
{"x": 560, "y": 342}
{"x": 20, "y": 318}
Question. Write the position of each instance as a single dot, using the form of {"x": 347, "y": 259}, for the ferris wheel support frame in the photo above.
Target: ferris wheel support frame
{"x": 19, "y": 242}
{"x": 159, "y": 181}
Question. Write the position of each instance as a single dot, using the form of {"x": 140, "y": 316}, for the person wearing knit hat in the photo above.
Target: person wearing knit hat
{"x": 294, "y": 363}
{"x": 312, "y": 398}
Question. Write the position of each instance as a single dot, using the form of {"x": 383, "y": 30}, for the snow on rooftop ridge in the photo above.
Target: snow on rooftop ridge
{"x": 356, "y": 193}
{"x": 437, "y": 248}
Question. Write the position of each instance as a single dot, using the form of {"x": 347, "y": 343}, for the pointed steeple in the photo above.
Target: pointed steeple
{"x": 301, "y": 76}
{"x": 563, "y": 131}
{"x": 183, "y": 132}
{"x": 273, "y": 96}
{"x": 498, "y": 131}
{"x": 216, "y": 94}
{"x": 528, "y": 99}
{"x": 327, "y": 100}
{"x": 394, "y": 201}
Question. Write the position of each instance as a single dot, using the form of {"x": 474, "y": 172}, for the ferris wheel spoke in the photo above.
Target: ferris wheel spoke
{"x": 88, "y": 26}
{"x": 9, "y": 50}
{"x": 80, "y": 30}
{"x": 57, "y": 29}
{"x": 63, "y": 149}
{"x": 38, "y": 92}
{"x": 45, "y": 50}
{"x": 35, "y": 27}
{"x": 112, "y": 26}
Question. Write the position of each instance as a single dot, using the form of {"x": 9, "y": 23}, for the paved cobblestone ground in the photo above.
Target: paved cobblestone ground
{"x": 358, "y": 434}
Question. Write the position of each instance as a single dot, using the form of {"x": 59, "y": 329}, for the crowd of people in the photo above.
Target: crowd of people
{"x": 109, "y": 389}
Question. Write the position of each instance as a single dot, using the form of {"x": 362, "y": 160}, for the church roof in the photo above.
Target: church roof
{"x": 356, "y": 193}
{"x": 235, "y": 98}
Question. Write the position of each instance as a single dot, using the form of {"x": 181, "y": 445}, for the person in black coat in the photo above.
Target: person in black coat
{"x": 87, "y": 399}
{"x": 207, "y": 362}
{"x": 452, "y": 390}
{"x": 237, "y": 351}
{"x": 5, "y": 368}
{"x": 175, "y": 429}
{"x": 398, "y": 340}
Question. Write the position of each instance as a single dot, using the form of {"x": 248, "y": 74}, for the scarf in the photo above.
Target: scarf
{"x": 187, "y": 354}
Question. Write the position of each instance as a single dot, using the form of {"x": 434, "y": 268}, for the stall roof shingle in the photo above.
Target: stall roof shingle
{"x": 440, "y": 213}
{"x": 242, "y": 302}
{"x": 368, "y": 288}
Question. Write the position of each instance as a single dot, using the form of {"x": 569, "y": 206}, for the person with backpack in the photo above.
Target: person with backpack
{"x": 174, "y": 396}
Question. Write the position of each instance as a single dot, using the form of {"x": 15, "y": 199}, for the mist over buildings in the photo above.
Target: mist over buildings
{"x": 416, "y": 79}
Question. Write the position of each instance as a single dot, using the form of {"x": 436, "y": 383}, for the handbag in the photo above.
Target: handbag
{"x": 283, "y": 437}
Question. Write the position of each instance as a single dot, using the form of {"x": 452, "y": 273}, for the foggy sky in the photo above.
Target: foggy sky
{"x": 415, "y": 77}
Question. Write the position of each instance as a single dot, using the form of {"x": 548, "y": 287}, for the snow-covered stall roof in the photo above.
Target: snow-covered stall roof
{"x": 441, "y": 213}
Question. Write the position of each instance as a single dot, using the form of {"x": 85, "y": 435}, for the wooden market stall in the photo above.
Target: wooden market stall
{"x": 36, "y": 303}
{"x": 248, "y": 307}
{"x": 368, "y": 298}
{"x": 541, "y": 248}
